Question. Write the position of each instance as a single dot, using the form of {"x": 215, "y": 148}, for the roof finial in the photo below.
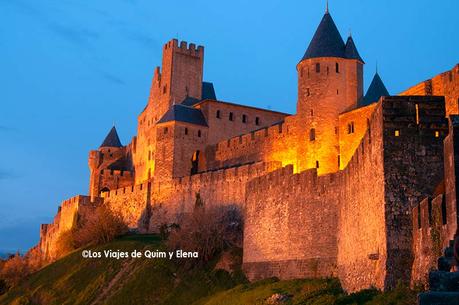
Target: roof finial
{"x": 376, "y": 67}
{"x": 350, "y": 32}
{"x": 113, "y": 123}
{"x": 326, "y": 10}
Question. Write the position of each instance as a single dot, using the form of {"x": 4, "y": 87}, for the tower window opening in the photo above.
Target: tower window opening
{"x": 218, "y": 114}
{"x": 199, "y": 133}
{"x": 350, "y": 128}
{"x": 164, "y": 89}
{"x": 244, "y": 118}
{"x": 397, "y": 133}
{"x": 317, "y": 164}
{"x": 337, "y": 67}
{"x": 186, "y": 131}
{"x": 443, "y": 211}
{"x": 437, "y": 134}
{"x": 308, "y": 92}
{"x": 257, "y": 121}
{"x": 417, "y": 114}
{"x": 339, "y": 160}
{"x": 337, "y": 91}
{"x": 312, "y": 112}
{"x": 312, "y": 134}
{"x": 317, "y": 68}
{"x": 165, "y": 130}
{"x": 231, "y": 116}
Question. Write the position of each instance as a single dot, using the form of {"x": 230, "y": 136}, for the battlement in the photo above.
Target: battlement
{"x": 423, "y": 115}
{"x": 115, "y": 172}
{"x": 184, "y": 48}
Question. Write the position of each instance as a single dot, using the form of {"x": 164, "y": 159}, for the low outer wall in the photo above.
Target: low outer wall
{"x": 290, "y": 226}
{"x": 68, "y": 213}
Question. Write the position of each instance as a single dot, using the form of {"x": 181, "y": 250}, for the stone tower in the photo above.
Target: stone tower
{"x": 180, "y": 76}
{"x": 110, "y": 166}
{"x": 330, "y": 81}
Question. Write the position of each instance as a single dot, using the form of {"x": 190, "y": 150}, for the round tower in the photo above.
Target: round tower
{"x": 330, "y": 82}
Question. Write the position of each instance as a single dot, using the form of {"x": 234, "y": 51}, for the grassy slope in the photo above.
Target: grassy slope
{"x": 74, "y": 280}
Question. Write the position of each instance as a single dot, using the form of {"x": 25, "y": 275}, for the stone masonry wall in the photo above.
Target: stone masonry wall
{"x": 445, "y": 84}
{"x": 68, "y": 213}
{"x": 304, "y": 225}
{"x": 414, "y": 129}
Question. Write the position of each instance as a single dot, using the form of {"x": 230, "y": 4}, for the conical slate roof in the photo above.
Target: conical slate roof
{"x": 327, "y": 41}
{"x": 375, "y": 91}
{"x": 112, "y": 139}
{"x": 351, "y": 50}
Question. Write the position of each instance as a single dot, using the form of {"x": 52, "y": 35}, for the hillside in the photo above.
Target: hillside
{"x": 74, "y": 280}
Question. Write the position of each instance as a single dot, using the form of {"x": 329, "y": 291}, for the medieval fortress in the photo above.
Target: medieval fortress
{"x": 345, "y": 187}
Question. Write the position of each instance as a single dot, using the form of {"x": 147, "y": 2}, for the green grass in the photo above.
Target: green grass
{"x": 74, "y": 280}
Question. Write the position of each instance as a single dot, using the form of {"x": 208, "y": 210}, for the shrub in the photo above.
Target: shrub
{"x": 13, "y": 271}
{"x": 99, "y": 228}
{"x": 207, "y": 231}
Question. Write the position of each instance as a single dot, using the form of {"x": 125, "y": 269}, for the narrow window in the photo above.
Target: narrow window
{"x": 312, "y": 112}
{"x": 437, "y": 134}
{"x": 397, "y": 133}
{"x": 165, "y": 130}
{"x": 352, "y": 127}
{"x": 231, "y": 116}
{"x": 244, "y": 118}
{"x": 429, "y": 208}
{"x": 339, "y": 160}
{"x": 443, "y": 210}
{"x": 312, "y": 134}
{"x": 318, "y": 68}
{"x": 419, "y": 216}
{"x": 186, "y": 130}
{"x": 337, "y": 91}
{"x": 257, "y": 121}
{"x": 308, "y": 92}
{"x": 199, "y": 133}
{"x": 317, "y": 164}
{"x": 337, "y": 67}
{"x": 164, "y": 89}
{"x": 218, "y": 114}
{"x": 417, "y": 113}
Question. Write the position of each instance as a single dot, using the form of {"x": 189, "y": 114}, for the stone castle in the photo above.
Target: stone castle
{"x": 336, "y": 189}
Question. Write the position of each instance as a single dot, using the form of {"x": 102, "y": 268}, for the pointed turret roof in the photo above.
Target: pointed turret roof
{"x": 327, "y": 41}
{"x": 182, "y": 113}
{"x": 375, "y": 91}
{"x": 351, "y": 50}
{"x": 112, "y": 139}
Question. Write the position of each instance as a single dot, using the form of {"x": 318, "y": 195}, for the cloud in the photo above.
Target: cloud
{"x": 73, "y": 33}
{"x": 6, "y": 175}
{"x": 113, "y": 78}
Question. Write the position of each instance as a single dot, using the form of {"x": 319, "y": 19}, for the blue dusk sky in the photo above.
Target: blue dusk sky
{"x": 70, "y": 68}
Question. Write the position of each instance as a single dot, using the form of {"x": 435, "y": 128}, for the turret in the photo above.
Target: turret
{"x": 376, "y": 90}
{"x": 330, "y": 81}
